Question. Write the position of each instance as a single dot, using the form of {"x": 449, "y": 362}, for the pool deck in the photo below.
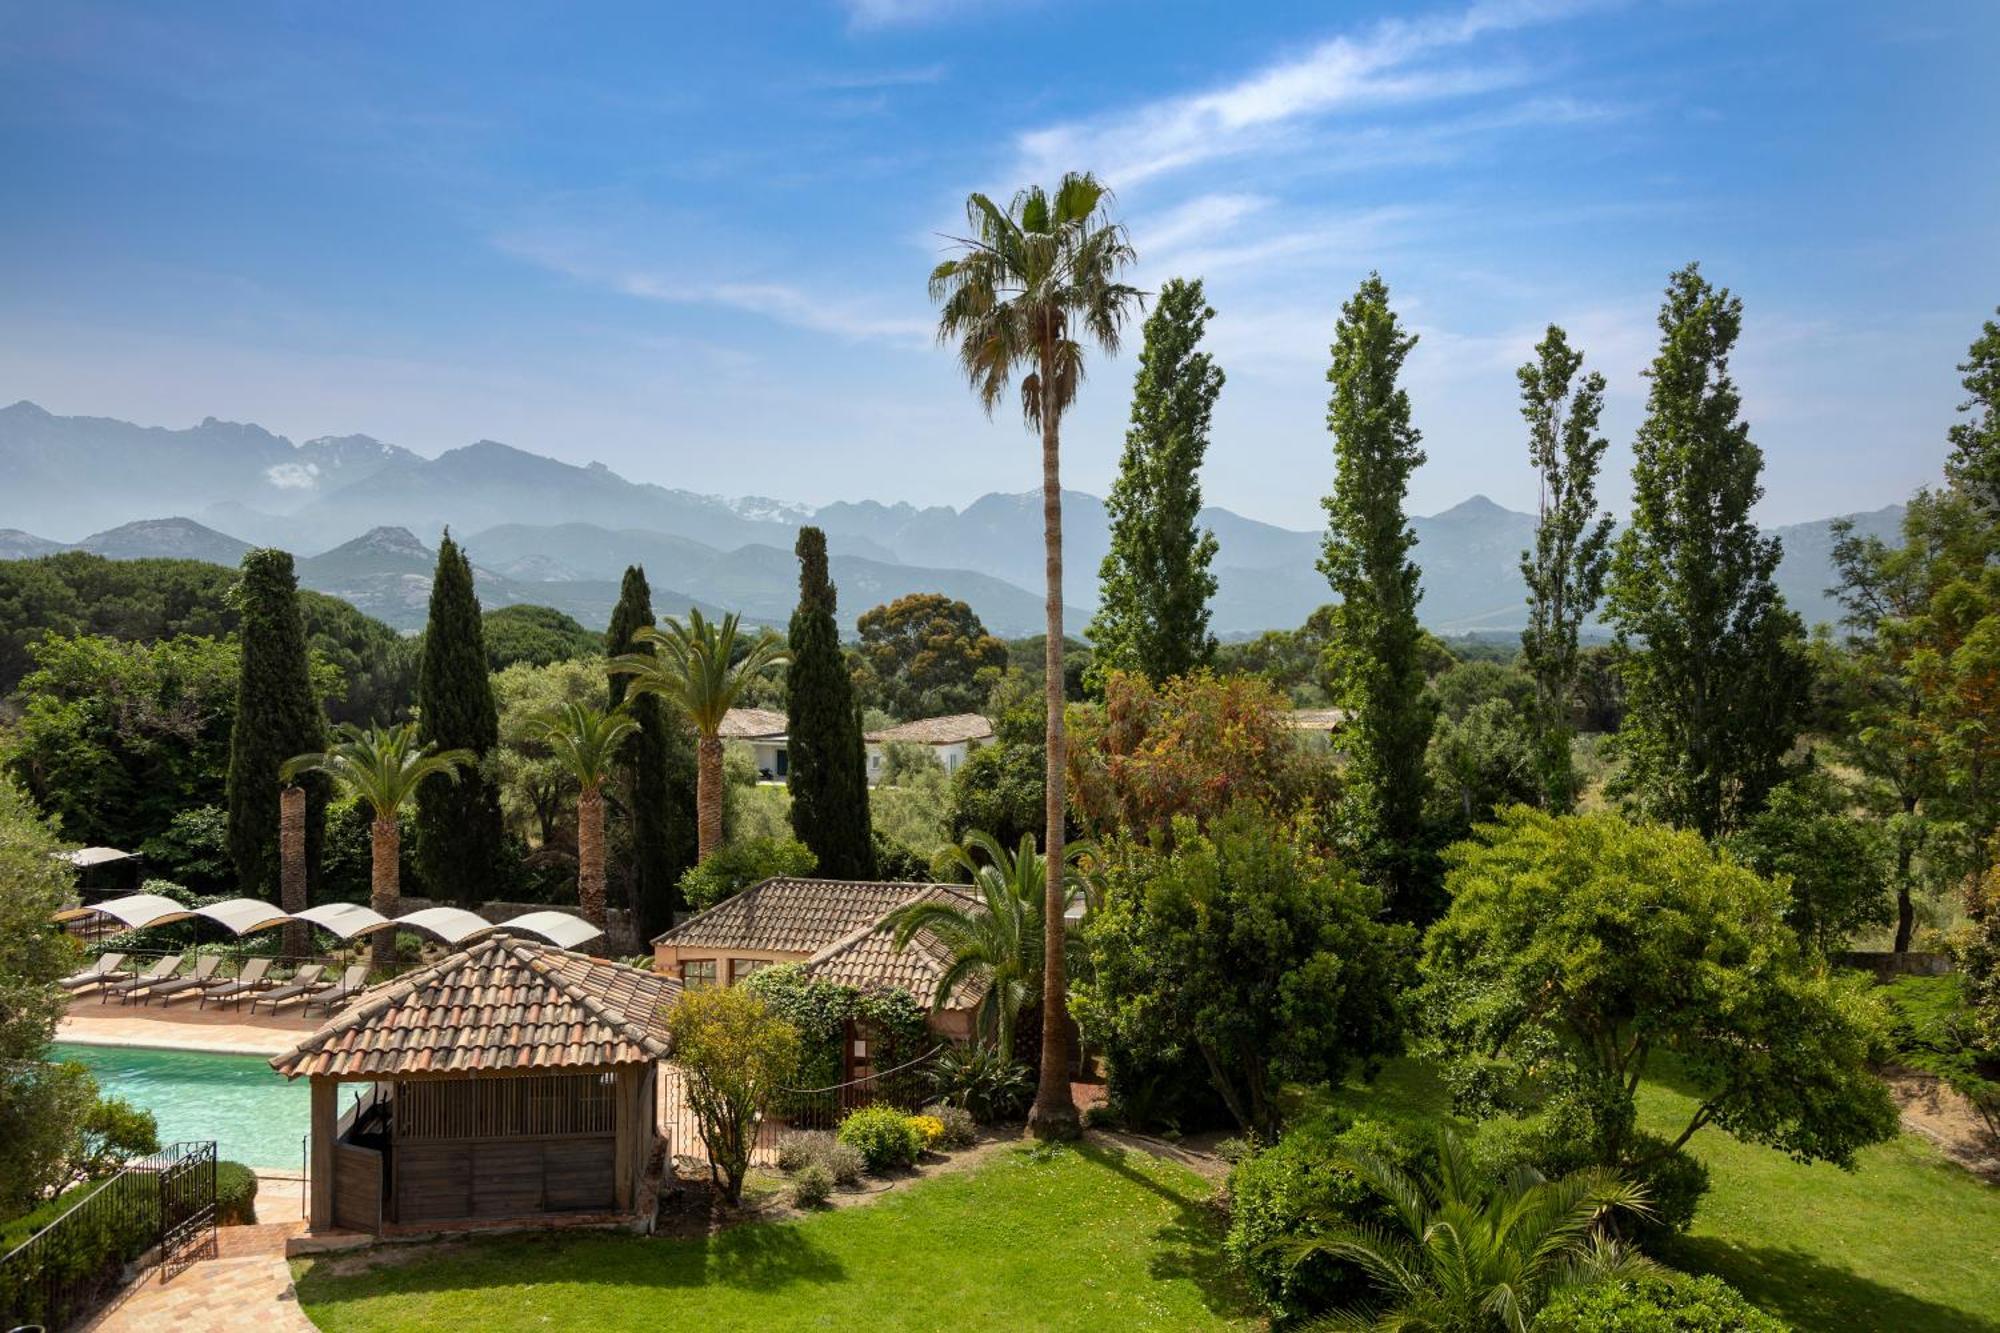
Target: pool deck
{"x": 183, "y": 1027}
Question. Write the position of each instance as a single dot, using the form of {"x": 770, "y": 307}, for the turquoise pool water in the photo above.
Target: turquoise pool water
{"x": 254, "y": 1116}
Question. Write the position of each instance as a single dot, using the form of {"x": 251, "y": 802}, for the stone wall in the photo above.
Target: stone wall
{"x": 1885, "y": 964}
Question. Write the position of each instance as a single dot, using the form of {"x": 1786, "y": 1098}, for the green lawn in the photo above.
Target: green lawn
{"x": 1906, "y": 1242}
{"x": 1088, "y": 1237}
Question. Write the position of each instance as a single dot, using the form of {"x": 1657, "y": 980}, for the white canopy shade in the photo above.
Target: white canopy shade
{"x": 344, "y": 919}
{"x": 558, "y": 928}
{"x": 85, "y": 857}
{"x": 137, "y": 910}
{"x": 243, "y": 915}
{"x": 453, "y": 925}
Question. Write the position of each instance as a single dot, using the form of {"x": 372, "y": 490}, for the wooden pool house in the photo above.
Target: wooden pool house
{"x": 507, "y": 1083}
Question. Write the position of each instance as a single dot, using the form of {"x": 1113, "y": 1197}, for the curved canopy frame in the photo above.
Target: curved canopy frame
{"x": 453, "y": 925}
{"x": 559, "y": 928}
{"x": 244, "y": 916}
{"x": 346, "y": 920}
{"x": 134, "y": 911}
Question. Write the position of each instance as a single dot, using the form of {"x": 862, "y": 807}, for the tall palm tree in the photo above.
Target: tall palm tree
{"x": 1469, "y": 1253}
{"x": 700, "y": 667}
{"x": 1029, "y": 287}
{"x": 585, "y": 741}
{"x": 998, "y": 943}
{"x": 382, "y": 766}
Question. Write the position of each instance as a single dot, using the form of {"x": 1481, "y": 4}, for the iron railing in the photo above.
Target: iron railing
{"x": 906, "y": 1087}
{"x": 165, "y": 1201}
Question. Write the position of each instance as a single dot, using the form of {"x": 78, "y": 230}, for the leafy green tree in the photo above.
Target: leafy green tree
{"x": 1001, "y": 788}
{"x": 828, "y": 772}
{"x": 385, "y": 768}
{"x": 1244, "y": 955}
{"x": 997, "y": 944}
{"x": 1974, "y": 465}
{"x": 1581, "y": 949}
{"x": 1835, "y": 865}
{"x": 735, "y": 1054}
{"x": 927, "y": 655}
{"x": 698, "y": 668}
{"x": 740, "y": 864}
{"x": 538, "y": 635}
{"x": 115, "y": 739}
{"x": 1031, "y": 286}
{"x": 1464, "y": 1252}
{"x": 1376, "y": 654}
{"x": 1715, "y": 673}
{"x": 537, "y": 791}
{"x": 1294, "y": 660}
{"x": 660, "y": 786}
{"x": 1155, "y": 583}
{"x": 277, "y": 716}
{"x": 585, "y": 741}
{"x": 1565, "y": 572}
{"x": 459, "y": 835}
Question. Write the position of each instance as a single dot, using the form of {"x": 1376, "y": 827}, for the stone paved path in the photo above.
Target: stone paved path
{"x": 247, "y": 1286}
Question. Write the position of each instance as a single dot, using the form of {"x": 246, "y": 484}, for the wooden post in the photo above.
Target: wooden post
{"x": 325, "y": 1116}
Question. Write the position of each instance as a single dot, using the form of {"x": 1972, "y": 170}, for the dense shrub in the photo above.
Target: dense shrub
{"x": 1655, "y": 1304}
{"x": 1277, "y": 1194}
{"x": 800, "y": 1146}
{"x": 1557, "y": 1142}
{"x": 959, "y": 1129}
{"x": 813, "y": 1186}
{"x": 235, "y": 1195}
{"x": 738, "y": 865}
{"x": 975, "y": 1078}
{"x": 843, "y": 1161}
{"x": 884, "y": 1136}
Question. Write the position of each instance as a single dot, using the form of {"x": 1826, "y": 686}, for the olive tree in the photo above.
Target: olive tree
{"x": 734, "y": 1054}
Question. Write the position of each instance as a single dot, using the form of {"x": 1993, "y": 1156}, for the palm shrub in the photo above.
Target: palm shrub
{"x": 382, "y": 767}
{"x": 998, "y": 944}
{"x": 976, "y": 1079}
{"x": 1463, "y": 1251}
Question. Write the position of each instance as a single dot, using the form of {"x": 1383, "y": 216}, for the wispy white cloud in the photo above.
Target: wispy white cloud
{"x": 898, "y": 13}
{"x": 869, "y": 80}
{"x": 843, "y": 316}
{"x": 1395, "y": 62}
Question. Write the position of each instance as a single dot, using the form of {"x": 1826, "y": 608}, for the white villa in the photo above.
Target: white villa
{"x": 763, "y": 730}
{"x": 950, "y": 740}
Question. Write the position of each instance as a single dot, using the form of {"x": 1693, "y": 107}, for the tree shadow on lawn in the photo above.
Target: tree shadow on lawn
{"x": 762, "y": 1258}
{"x": 1809, "y": 1293}
{"x": 1190, "y": 1245}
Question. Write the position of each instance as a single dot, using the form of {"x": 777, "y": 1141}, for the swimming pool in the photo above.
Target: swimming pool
{"x": 254, "y": 1116}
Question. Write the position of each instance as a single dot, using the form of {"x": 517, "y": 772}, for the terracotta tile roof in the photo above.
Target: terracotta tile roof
{"x": 504, "y": 1003}
{"x": 742, "y": 724}
{"x": 1317, "y": 719}
{"x": 787, "y": 915}
{"x": 938, "y": 730}
{"x": 867, "y": 960}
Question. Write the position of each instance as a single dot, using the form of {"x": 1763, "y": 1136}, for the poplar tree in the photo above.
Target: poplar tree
{"x": 1974, "y": 465}
{"x": 1565, "y": 572}
{"x": 659, "y": 767}
{"x": 1376, "y": 657}
{"x": 1155, "y": 583}
{"x": 1714, "y": 669}
{"x": 458, "y": 823}
{"x": 276, "y": 718}
{"x": 827, "y": 772}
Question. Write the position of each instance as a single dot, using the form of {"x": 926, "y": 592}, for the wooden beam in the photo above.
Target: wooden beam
{"x": 325, "y": 1118}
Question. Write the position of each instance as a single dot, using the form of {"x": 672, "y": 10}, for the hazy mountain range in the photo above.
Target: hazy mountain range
{"x": 363, "y": 517}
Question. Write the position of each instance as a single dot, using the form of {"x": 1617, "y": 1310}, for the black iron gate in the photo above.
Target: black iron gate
{"x": 187, "y": 1210}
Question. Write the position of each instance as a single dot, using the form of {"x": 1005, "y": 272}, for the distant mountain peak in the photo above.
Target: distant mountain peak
{"x": 1473, "y": 507}
{"x": 388, "y": 538}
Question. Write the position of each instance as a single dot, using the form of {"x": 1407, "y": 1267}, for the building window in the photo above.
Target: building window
{"x": 697, "y": 974}
{"x": 741, "y": 969}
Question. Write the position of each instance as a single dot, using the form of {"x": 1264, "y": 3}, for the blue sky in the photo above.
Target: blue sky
{"x": 692, "y": 244}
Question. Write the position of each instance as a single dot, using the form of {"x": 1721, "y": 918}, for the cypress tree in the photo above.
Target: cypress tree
{"x": 660, "y": 774}
{"x": 1377, "y": 652}
{"x": 459, "y": 842}
{"x": 1565, "y": 571}
{"x": 1714, "y": 669}
{"x": 276, "y": 717}
{"x": 827, "y": 773}
{"x": 1155, "y": 582}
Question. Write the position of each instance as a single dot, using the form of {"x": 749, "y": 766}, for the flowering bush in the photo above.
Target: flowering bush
{"x": 930, "y": 1127}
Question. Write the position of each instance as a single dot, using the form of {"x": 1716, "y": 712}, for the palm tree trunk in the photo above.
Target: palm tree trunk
{"x": 292, "y": 866}
{"x": 708, "y": 796}
{"x": 1053, "y": 1115}
{"x": 590, "y": 855}
{"x": 385, "y": 845}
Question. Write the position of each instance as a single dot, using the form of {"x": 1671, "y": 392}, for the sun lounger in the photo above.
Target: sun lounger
{"x": 249, "y": 980}
{"x": 304, "y": 982}
{"x": 352, "y": 982}
{"x": 104, "y": 969}
{"x": 204, "y": 972}
{"x": 158, "y": 972}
